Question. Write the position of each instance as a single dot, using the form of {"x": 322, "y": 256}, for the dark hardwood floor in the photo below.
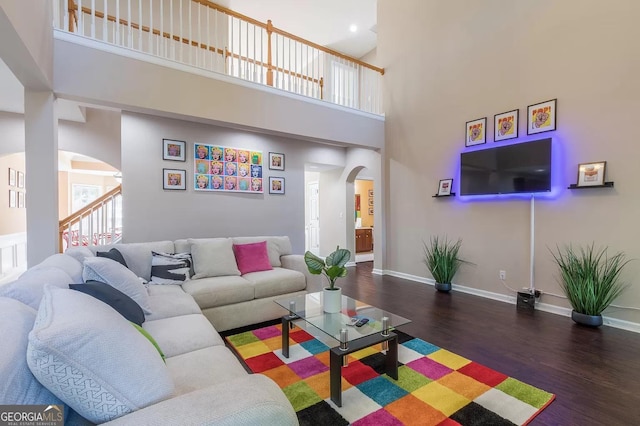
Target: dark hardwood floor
{"x": 595, "y": 373}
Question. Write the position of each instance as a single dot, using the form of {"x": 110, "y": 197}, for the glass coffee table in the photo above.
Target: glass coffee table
{"x": 334, "y": 329}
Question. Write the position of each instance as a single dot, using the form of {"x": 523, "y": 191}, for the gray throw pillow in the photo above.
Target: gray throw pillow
{"x": 214, "y": 258}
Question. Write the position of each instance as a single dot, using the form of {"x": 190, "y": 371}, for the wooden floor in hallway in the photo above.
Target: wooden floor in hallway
{"x": 595, "y": 373}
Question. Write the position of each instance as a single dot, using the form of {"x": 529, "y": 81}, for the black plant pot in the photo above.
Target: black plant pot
{"x": 584, "y": 319}
{"x": 443, "y": 287}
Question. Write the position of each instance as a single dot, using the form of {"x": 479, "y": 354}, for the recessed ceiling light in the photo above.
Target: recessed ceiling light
{"x": 353, "y": 28}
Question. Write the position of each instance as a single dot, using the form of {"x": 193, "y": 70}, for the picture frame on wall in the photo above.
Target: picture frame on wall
{"x": 174, "y": 179}
{"x": 370, "y": 211}
{"x": 12, "y": 177}
{"x": 505, "y": 125}
{"x": 276, "y": 185}
{"x": 276, "y": 161}
{"x": 541, "y": 117}
{"x": 12, "y": 198}
{"x": 591, "y": 174}
{"x": 173, "y": 150}
{"x": 20, "y": 180}
{"x": 476, "y": 132}
{"x": 20, "y": 200}
{"x": 371, "y": 193}
{"x": 444, "y": 187}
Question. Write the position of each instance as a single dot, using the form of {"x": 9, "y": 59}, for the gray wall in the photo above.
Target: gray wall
{"x": 466, "y": 60}
{"x": 150, "y": 213}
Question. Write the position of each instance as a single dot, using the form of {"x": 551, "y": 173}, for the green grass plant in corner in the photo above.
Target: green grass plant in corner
{"x": 333, "y": 267}
{"x": 590, "y": 278}
{"x": 442, "y": 260}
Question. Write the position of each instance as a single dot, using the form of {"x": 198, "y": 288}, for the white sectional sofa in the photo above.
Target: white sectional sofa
{"x": 73, "y": 349}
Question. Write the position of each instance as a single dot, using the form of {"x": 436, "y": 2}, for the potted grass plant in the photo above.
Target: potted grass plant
{"x": 332, "y": 267}
{"x": 442, "y": 260}
{"x": 590, "y": 279}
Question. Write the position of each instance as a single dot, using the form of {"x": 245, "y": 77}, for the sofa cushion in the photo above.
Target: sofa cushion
{"x": 276, "y": 246}
{"x": 185, "y": 333}
{"x": 168, "y": 301}
{"x": 113, "y": 297}
{"x": 202, "y": 368}
{"x": 111, "y": 272}
{"x": 68, "y": 264}
{"x": 93, "y": 359}
{"x": 252, "y": 257}
{"x": 275, "y": 282}
{"x": 218, "y": 291}
{"x": 213, "y": 258}
{"x": 170, "y": 268}
{"x": 113, "y": 254}
{"x": 18, "y": 386}
{"x": 29, "y": 287}
{"x": 79, "y": 253}
{"x": 138, "y": 255}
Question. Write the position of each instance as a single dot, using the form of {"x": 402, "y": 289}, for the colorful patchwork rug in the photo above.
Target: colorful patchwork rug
{"x": 434, "y": 386}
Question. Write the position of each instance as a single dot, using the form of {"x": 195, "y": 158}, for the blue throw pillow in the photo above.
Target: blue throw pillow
{"x": 113, "y": 297}
{"x": 113, "y": 254}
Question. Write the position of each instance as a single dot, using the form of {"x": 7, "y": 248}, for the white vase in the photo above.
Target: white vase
{"x": 332, "y": 300}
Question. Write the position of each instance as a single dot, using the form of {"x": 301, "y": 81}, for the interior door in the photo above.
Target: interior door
{"x": 314, "y": 218}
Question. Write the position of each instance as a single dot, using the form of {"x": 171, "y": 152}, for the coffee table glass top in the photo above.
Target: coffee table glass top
{"x": 309, "y": 308}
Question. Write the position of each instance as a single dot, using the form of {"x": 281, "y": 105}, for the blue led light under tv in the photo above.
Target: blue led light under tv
{"x": 511, "y": 169}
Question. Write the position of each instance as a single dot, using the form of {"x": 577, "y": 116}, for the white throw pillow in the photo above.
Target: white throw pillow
{"x": 118, "y": 276}
{"x": 93, "y": 359}
{"x": 214, "y": 258}
{"x": 18, "y": 386}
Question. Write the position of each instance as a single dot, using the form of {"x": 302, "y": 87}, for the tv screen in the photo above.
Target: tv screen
{"x": 520, "y": 168}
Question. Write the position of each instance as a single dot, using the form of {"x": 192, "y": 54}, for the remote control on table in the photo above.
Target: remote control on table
{"x": 362, "y": 322}
{"x": 353, "y": 321}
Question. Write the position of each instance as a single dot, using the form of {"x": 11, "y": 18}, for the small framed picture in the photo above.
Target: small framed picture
{"x": 370, "y": 211}
{"x": 276, "y": 185}
{"x": 20, "y": 200}
{"x": 20, "y": 180}
{"x": 505, "y": 126}
{"x": 174, "y": 179}
{"x": 276, "y": 161}
{"x": 591, "y": 174}
{"x": 444, "y": 187}
{"x": 12, "y": 198}
{"x": 370, "y": 203}
{"x": 541, "y": 117}
{"x": 476, "y": 132}
{"x": 371, "y": 193}
{"x": 12, "y": 177}
{"x": 173, "y": 150}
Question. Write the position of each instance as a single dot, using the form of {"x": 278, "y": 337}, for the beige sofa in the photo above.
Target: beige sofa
{"x": 201, "y": 381}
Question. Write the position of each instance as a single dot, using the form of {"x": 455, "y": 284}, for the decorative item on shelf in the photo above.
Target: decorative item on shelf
{"x": 173, "y": 150}
{"x": 591, "y": 175}
{"x": 444, "y": 188}
{"x": 590, "y": 279}
{"x": 174, "y": 179}
{"x": 276, "y": 161}
{"x": 476, "y": 132}
{"x": 276, "y": 185}
{"x": 333, "y": 267}
{"x": 442, "y": 260}
{"x": 505, "y": 125}
{"x": 541, "y": 117}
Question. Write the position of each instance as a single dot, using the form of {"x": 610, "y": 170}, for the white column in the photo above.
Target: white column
{"x": 41, "y": 157}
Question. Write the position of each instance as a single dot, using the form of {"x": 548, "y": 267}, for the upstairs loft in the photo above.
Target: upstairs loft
{"x": 199, "y": 61}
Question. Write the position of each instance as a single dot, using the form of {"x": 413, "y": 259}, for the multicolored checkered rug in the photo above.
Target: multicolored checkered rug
{"x": 434, "y": 386}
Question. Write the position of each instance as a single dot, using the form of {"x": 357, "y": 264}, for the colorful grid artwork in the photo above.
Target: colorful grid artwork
{"x": 434, "y": 386}
{"x": 220, "y": 168}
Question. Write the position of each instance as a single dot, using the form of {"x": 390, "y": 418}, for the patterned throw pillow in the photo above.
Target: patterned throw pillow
{"x": 167, "y": 268}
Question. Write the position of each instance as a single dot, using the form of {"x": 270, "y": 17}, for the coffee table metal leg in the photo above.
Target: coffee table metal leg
{"x": 285, "y": 336}
{"x": 335, "y": 368}
{"x": 391, "y": 359}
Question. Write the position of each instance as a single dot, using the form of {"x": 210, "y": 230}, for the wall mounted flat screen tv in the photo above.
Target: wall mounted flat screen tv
{"x": 520, "y": 168}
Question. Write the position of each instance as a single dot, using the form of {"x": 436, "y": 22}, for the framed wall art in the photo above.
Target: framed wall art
{"x": 591, "y": 174}
{"x": 20, "y": 200}
{"x": 476, "y": 132}
{"x": 221, "y": 168}
{"x": 505, "y": 126}
{"x": 541, "y": 117}
{"x": 12, "y": 177}
{"x": 276, "y": 161}
{"x": 20, "y": 180}
{"x": 276, "y": 185}
{"x": 444, "y": 187}
{"x": 173, "y": 150}
{"x": 174, "y": 179}
{"x": 12, "y": 198}
{"x": 370, "y": 211}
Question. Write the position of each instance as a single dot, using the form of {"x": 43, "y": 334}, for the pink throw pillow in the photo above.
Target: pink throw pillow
{"x": 252, "y": 257}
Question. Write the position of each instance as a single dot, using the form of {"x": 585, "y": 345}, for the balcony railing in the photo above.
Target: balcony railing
{"x": 208, "y": 36}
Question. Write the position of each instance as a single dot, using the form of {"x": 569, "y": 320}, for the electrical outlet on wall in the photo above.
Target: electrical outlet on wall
{"x": 503, "y": 275}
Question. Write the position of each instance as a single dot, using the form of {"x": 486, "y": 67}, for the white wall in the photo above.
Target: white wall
{"x": 150, "y": 213}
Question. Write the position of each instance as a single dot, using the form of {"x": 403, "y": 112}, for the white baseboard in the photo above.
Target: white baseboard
{"x": 558, "y": 310}
{"x": 377, "y": 271}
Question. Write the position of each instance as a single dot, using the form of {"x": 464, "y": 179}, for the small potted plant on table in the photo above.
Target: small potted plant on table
{"x": 590, "y": 279}
{"x": 441, "y": 258}
{"x": 333, "y": 267}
